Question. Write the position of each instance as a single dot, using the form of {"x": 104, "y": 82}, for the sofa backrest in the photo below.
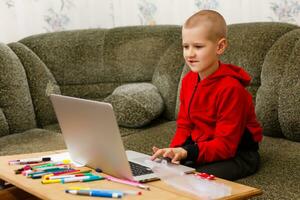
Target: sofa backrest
{"x": 92, "y": 63}
{"x": 249, "y": 44}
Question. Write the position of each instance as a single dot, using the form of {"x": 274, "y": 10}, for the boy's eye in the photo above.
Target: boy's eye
{"x": 185, "y": 46}
{"x": 198, "y": 47}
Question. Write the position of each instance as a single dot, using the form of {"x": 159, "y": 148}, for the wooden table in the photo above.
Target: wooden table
{"x": 26, "y": 188}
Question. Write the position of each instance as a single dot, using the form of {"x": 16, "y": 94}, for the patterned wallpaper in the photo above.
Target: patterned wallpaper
{"x": 20, "y": 18}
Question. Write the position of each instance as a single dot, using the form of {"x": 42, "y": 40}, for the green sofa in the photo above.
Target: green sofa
{"x": 92, "y": 63}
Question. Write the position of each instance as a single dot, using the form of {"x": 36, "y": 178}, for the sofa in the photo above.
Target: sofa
{"x": 101, "y": 64}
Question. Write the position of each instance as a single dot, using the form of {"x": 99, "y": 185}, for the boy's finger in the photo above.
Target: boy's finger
{"x": 166, "y": 153}
{"x": 175, "y": 160}
{"x": 169, "y": 153}
{"x": 157, "y": 153}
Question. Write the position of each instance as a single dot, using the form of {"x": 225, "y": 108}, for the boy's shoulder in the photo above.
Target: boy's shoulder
{"x": 230, "y": 82}
{"x": 230, "y": 85}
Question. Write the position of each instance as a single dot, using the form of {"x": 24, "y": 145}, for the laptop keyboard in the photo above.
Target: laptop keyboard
{"x": 138, "y": 170}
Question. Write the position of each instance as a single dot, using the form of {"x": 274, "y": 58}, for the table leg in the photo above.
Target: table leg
{"x": 2, "y": 184}
{"x": 14, "y": 193}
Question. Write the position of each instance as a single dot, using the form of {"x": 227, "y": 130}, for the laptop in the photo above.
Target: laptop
{"x": 92, "y": 137}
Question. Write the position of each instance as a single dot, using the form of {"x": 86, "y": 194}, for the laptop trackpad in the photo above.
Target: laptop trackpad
{"x": 140, "y": 158}
{"x": 137, "y": 157}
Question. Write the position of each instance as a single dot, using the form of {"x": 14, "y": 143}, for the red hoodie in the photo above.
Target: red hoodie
{"x": 215, "y": 112}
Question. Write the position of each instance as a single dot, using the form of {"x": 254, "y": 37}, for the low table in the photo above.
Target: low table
{"x": 26, "y": 188}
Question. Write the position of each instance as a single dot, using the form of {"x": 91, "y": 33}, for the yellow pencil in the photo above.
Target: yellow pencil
{"x": 79, "y": 188}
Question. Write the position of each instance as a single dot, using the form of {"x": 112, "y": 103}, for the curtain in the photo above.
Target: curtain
{"x": 21, "y": 18}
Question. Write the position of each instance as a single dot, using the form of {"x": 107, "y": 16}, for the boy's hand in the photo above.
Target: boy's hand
{"x": 176, "y": 154}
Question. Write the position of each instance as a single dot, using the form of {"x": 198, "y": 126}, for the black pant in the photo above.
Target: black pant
{"x": 245, "y": 163}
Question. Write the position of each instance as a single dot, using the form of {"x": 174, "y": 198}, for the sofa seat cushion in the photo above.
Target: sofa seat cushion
{"x": 123, "y": 130}
{"x": 33, "y": 140}
{"x": 53, "y": 128}
{"x": 50, "y": 138}
{"x": 279, "y": 173}
{"x": 143, "y": 141}
{"x": 136, "y": 104}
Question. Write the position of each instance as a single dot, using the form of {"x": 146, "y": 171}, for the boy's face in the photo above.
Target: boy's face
{"x": 201, "y": 53}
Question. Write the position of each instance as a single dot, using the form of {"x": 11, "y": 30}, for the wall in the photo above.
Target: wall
{"x": 20, "y": 18}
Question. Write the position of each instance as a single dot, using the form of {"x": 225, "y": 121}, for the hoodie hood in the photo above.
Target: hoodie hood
{"x": 228, "y": 70}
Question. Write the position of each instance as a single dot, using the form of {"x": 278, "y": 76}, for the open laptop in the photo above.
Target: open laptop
{"x": 93, "y": 139}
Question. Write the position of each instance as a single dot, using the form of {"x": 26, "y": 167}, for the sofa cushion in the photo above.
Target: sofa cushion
{"x": 167, "y": 75}
{"x": 136, "y": 104}
{"x": 16, "y": 108}
{"x": 33, "y": 140}
{"x": 41, "y": 83}
{"x": 289, "y": 91}
{"x": 278, "y": 103}
{"x": 185, "y": 70}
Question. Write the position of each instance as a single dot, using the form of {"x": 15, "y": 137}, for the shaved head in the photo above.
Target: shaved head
{"x": 211, "y": 20}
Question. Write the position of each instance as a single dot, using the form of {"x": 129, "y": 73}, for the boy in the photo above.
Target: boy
{"x": 217, "y": 131}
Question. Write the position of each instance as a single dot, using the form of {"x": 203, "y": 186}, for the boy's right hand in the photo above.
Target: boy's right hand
{"x": 175, "y": 154}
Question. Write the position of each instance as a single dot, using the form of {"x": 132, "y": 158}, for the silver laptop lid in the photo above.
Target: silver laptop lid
{"x": 83, "y": 124}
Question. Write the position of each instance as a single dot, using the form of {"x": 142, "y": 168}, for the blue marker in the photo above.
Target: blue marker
{"x": 96, "y": 193}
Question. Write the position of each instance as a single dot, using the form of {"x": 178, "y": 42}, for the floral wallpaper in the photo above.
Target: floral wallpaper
{"x": 206, "y": 4}
{"x": 9, "y": 3}
{"x": 21, "y": 18}
{"x": 57, "y": 20}
{"x": 286, "y": 10}
{"x": 147, "y": 12}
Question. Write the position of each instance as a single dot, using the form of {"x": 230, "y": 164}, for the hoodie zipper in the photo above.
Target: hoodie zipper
{"x": 189, "y": 107}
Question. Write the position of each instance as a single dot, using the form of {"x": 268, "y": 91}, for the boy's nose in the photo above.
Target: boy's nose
{"x": 190, "y": 53}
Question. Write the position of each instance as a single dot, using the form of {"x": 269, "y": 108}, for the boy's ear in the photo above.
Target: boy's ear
{"x": 222, "y": 44}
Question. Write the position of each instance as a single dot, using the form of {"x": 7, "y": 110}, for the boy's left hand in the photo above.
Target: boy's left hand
{"x": 176, "y": 154}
